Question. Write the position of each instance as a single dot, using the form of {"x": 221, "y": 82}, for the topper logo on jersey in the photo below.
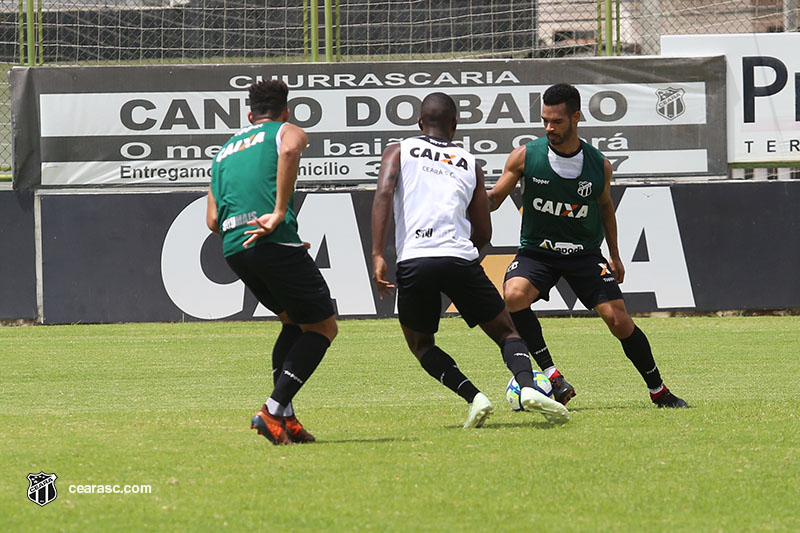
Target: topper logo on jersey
{"x": 241, "y": 144}
{"x": 443, "y": 157}
{"x": 560, "y": 209}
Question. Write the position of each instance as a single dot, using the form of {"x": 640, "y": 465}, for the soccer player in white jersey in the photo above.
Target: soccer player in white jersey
{"x": 441, "y": 216}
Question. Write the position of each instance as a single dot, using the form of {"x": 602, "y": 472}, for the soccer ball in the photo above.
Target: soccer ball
{"x": 540, "y": 383}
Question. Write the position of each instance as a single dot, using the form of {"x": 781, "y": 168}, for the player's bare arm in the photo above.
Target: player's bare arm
{"x": 478, "y": 213}
{"x": 515, "y": 166}
{"x": 211, "y": 213}
{"x": 293, "y": 141}
{"x": 610, "y": 226}
{"x": 382, "y": 214}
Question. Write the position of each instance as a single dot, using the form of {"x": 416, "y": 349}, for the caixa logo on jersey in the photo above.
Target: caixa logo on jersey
{"x": 42, "y": 488}
{"x": 435, "y": 155}
{"x": 670, "y": 103}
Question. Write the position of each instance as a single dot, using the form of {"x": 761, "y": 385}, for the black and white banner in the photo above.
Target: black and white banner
{"x": 90, "y": 126}
{"x": 763, "y": 92}
{"x": 149, "y": 257}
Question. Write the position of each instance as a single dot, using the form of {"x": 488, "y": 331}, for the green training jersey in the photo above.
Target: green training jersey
{"x": 244, "y": 185}
{"x": 559, "y": 215}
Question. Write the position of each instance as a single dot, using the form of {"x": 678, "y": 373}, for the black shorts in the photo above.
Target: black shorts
{"x": 587, "y": 274}
{"x": 284, "y": 278}
{"x": 421, "y": 281}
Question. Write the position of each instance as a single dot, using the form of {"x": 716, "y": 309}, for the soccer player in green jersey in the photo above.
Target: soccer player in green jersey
{"x": 566, "y": 213}
{"x": 250, "y": 204}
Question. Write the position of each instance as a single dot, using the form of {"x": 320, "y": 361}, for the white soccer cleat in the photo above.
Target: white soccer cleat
{"x": 533, "y": 400}
{"x": 479, "y": 410}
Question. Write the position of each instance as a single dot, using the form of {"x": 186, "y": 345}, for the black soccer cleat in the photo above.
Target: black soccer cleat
{"x": 563, "y": 392}
{"x": 666, "y": 399}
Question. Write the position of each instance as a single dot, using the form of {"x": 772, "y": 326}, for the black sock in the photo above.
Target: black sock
{"x": 301, "y": 361}
{"x": 515, "y": 355}
{"x": 531, "y": 331}
{"x": 637, "y": 349}
{"x": 442, "y": 367}
{"x": 286, "y": 339}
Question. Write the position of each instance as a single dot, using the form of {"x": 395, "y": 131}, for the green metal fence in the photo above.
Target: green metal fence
{"x": 81, "y": 32}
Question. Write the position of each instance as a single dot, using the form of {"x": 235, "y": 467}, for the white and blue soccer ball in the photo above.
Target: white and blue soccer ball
{"x": 540, "y": 383}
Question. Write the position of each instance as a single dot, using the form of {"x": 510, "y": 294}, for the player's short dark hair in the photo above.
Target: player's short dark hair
{"x": 563, "y": 93}
{"x": 268, "y": 98}
{"x": 438, "y": 109}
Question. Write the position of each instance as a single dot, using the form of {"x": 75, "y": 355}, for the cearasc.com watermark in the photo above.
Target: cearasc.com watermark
{"x": 109, "y": 489}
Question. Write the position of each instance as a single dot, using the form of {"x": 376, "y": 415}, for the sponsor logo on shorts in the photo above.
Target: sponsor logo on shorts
{"x": 512, "y": 266}
{"x": 585, "y": 188}
{"x": 605, "y": 273}
{"x": 564, "y": 248}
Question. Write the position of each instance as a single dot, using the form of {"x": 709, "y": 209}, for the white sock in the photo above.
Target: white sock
{"x": 549, "y": 371}
{"x": 274, "y": 408}
{"x": 657, "y": 390}
{"x": 289, "y": 410}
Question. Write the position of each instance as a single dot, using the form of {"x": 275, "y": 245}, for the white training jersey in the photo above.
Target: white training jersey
{"x": 437, "y": 180}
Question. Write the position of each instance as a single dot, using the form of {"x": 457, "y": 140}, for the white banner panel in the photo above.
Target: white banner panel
{"x": 195, "y": 112}
{"x": 96, "y": 126}
{"x": 763, "y": 91}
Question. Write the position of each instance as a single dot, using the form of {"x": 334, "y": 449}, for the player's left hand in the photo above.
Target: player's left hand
{"x": 617, "y": 268}
{"x": 379, "y": 275}
{"x": 266, "y": 224}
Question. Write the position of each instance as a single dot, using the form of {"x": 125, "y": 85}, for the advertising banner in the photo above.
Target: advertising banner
{"x": 18, "y": 266}
{"x": 149, "y": 256}
{"x": 96, "y": 126}
{"x": 763, "y": 92}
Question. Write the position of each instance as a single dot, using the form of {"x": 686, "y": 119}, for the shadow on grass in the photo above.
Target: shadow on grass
{"x": 524, "y": 422}
{"x": 356, "y": 441}
{"x": 627, "y": 407}
{"x": 608, "y": 408}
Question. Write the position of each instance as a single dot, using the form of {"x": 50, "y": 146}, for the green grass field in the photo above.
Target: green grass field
{"x": 169, "y": 405}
